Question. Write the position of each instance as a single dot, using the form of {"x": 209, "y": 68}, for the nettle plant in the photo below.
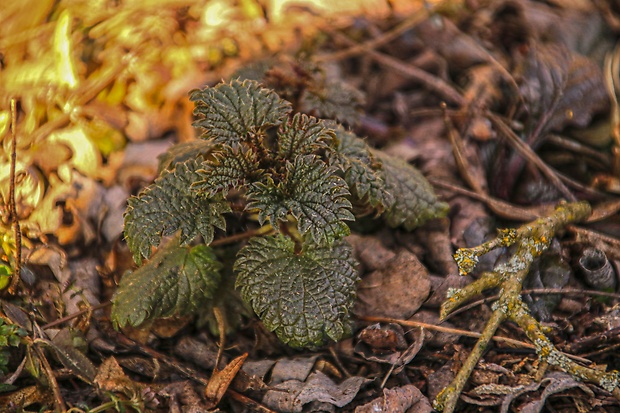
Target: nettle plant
{"x": 300, "y": 179}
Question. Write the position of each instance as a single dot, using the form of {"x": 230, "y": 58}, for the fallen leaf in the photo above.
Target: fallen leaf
{"x": 436, "y": 339}
{"x": 370, "y": 251}
{"x": 562, "y": 87}
{"x": 458, "y": 48}
{"x": 55, "y": 259}
{"x": 27, "y": 396}
{"x": 30, "y": 191}
{"x": 398, "y": 358}
{"x": 85, "y": 157}
{"x": 198, "y": 352}
{"x": 111, "y": 377}
{"x": 258, "y": 368}
{"x": 72, "y": 358}
{"x": 398, "y": 400}
{"x": 292, "y": 395}
{"x": 556, "y": 382}
{"x": 115, "y": 200}
{"x": 396, "y": 291}
{"x": 388, "y": 337}
{"x": 220, "y": 380}
{"x": 292, "y": 369}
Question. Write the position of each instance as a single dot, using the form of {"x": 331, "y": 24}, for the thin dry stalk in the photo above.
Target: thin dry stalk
{"x": 13, "y": 205}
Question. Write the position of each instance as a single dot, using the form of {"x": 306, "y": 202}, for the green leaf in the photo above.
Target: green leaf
{"x": 270, "y": 201}
{"x": 230, "y": 168}
{"x": 363, "y": 171}
{"x": 415, "y": 201}
{"x": 229, "y": 112}
{"x": 333, "y": 100}
{"x": 368, "y": 185}
{"x": 302, "y": 135}
{"x": 5, "y": 388}
{"x": 169, "y": 205}
{"x": 312, "y": 193}
{"x": 306, "y": 298}
{"x": 176, "y": 281}
{"x": 350, "y": 146}
{"x": 6, "y": 273}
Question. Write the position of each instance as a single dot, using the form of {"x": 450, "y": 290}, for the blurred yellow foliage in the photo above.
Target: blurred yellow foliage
{"x": 91, "y": 75}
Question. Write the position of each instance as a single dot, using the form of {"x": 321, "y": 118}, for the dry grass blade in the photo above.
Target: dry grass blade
{"x": 59, "y": 403}
{"x": 503, "y": 209}
{"x": 465, "y": 333}
{"x": 459, "y": 151}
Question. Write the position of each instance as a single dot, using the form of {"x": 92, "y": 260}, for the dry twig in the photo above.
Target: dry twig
{"x": 531, "y": 241}
{"x": 13, "y": 206}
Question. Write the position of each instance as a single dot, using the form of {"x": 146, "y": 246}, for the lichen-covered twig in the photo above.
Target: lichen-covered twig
{"x": 530, "y": 240}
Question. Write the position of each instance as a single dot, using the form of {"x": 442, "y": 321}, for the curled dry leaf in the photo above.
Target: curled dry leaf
{"x": 436, "y": 339}
{"x": 258, "y": 368}
{"x": 85, "y": 287}
{"x": 597, "y": 270}
{"x": 386, "y": 344}
{"x": 29, "y": 193}
{"x": 550, "y": 271}
{"x": 292, "y": 395}
{"x": 555, "y": 382}
{"x": 68, "y": 209}
{"x": 55, "y": 259}
{"x": 560, "y": 88}
{"x": 220, "y": 380}
{"x": 388, "y": 337}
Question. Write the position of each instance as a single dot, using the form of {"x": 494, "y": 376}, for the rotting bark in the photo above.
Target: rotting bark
{"x": 531, "y": 240}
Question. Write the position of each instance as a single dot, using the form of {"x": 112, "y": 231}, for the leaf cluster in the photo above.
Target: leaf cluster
{"x": 10, "y": 336}
{"x": 308, "y": 87}
{"x": 303, "y": 177}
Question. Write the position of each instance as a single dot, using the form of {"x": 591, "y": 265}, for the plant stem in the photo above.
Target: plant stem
{"x": 13, "y": 205}
{"x": 264, "y": 230}
{"x": 447, "y": 398}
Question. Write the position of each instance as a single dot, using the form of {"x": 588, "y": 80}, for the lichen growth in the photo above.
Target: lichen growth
{"x": 466, "y": 259}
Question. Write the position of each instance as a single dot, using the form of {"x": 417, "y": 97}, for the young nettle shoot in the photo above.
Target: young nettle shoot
{"x": 301, "y": 179}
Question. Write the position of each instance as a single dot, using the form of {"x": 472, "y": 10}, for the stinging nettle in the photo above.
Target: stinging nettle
{"x": 301, "y": 179}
